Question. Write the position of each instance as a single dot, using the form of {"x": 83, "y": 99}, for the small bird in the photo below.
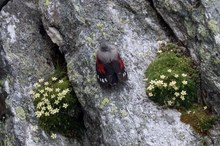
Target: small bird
{"x": 109, "y": 65}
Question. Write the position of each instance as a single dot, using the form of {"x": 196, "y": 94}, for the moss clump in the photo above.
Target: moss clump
{"x": 173, "y": 80}
{"x": 57, "y": 107}
{"x": 199, "y": 118}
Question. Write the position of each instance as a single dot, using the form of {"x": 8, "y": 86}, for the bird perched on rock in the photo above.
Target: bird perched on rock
{"x": 109, "y": 65}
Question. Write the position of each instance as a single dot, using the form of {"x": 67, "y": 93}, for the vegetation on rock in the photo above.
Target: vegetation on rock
{"x": 173, "y": 80}
{"x": 57, "y": 107}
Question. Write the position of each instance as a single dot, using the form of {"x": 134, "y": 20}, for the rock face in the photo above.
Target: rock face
{"x": 28, "y": 53}
{"x": 118, "y": 116}
{"x": 197, "y": 25}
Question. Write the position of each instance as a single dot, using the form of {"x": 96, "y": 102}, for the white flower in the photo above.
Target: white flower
{"x": 175, "y": 88}
{"x": 176, "y": 75}
{"x": 65, "y": 105}
{"x": 54, "y": 78}
{"x": 205, "y": 107}
{"x": 57, "y": 90}
{"x": 59, "y": 97}
{"x": 64, "y": 92}
{"x": 38, "y": 114}
{"x": 56, "y": 110}
{"x": 43, "y": 108}
{"x": 53, "y": 136}
{"x": 39, "y": 105}
{"x": 170, "y": 102}
{"x": 36, "y": 85}
{"x": 165, "y": 84}
{"x": 32, "y": 92}
{"x": 184, "y": 75}
{"x": 159, "y": 51}
{"x": 45, "y": 95}
{"x": 52, "y": 96}
{"x": 169, "y": 70}
{"x": 50, "y": 90}
{"x": 49, "y": 107}
{"x": 184, "y": 82}
{"x": 41, "y": 91}
{"x": 41, "y": 80}
{"x": 162, "y": 76}
{"x": 188, "y": 112}
{"x": 61, "y": 94}
{"x": 150, "y": 87}
{"x": 57, "y": 102}
{"x": 37, "y": 95}
{"x": 46, "y": 83}
{"x": 159, "y": 83}
{"x": 47, "y": 113}
{"x": 182, "y": 97}
{"x": 150, "y": 94}
{"x": 172, "y": 83}
{"x": 152, "y": 82}
{"x": 176, "y": 94}
{"x": 183, "y": 92}
{"x": 60, "y": 81}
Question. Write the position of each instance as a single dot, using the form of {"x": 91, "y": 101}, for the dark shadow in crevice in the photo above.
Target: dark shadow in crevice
{"x": 164, "y": 25}
{"x": 3, "y": 3}
{"x": 4, "y": 71}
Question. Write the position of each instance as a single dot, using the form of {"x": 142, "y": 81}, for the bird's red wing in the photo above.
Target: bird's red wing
{"x": 101, "y": 71}
{"x": 120, "y": 69}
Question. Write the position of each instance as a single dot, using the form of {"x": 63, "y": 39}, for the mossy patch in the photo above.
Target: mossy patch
{"x": 57, "y": 107}
{"x": 173, "y": 80}
{"x": 199, "y": 118}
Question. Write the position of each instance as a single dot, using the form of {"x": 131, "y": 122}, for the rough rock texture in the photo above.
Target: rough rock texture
{"x": 119, "y": 116}
{"x": 196, "y": 23}
{"x": 28, "y": 52}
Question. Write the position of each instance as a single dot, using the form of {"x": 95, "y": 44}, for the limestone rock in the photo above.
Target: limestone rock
{"x": 118, "y": 116}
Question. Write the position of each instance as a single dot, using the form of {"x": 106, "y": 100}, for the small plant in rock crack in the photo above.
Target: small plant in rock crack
{"x": 199, "y": 118}
{"x": 172, "y": 80}
{"x": 54, "y": 101}
{"x": 50, "y": 98}
{"x": 172, "y": 90}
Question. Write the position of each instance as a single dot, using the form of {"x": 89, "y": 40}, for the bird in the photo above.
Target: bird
{"x": 110, "y": 67}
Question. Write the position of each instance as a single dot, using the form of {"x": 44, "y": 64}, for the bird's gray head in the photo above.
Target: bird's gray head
{"x": 104, "y": 46}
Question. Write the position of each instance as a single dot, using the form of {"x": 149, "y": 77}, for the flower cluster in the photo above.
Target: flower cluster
{"x": 49, "y": 97}
{"x": 171, "y": 89}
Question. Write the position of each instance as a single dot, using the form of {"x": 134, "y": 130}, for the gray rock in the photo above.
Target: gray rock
{"x": 118, "y": 116}
{"x": 121, "y": 115}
